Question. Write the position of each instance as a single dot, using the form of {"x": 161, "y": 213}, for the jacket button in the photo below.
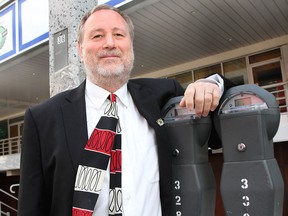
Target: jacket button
{"x": 175, "y": 153}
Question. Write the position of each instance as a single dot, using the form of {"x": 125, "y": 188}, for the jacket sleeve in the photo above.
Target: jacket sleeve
{"x": 32, "y": 199}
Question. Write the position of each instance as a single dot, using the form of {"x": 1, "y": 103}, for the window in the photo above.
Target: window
{"x": 184, "y": 79}
{"x": 204, "y": 72}
{"x": 236, "y": 71}
{"x": 264, "y": 56}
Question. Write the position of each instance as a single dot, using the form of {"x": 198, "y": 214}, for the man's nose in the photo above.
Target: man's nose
{"x": 109, "y": 42}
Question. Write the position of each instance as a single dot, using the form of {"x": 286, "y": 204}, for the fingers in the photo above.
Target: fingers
{"x": 201, "y": 96}
{"x": 216, "y": 99}
{"x": 189, "y": 93}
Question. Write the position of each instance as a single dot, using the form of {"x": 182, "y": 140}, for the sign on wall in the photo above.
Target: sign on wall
{"x": 29, "y": 29}
{"x": 33, "y": 22}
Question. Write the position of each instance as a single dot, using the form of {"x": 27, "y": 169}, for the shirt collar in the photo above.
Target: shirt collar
{"x": 122, "y": 95}
{"x": 98, "y": 95}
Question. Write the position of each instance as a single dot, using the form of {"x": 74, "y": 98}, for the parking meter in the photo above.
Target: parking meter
{"x": 194, "y": 186}
{"x": 251, "y": 182}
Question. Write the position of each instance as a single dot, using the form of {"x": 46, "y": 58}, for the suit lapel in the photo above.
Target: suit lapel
{"x": 75, "y": 123}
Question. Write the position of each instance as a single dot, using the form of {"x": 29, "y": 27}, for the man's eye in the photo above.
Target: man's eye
{"x": 119, "y": 35}
{"x": 98, "y": 36}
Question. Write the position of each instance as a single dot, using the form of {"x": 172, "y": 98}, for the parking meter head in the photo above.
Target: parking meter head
{"x": 243, "y": 100}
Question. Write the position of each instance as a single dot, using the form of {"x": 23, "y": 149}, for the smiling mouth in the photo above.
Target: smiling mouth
{"x": 109, "y": 54}
{"x": 107, "y": 57}
{"x": 110, "y": 59}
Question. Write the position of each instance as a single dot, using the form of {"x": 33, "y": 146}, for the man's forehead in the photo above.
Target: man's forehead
{"x": 106, "y": 18}
{"x": 106, "y": 15}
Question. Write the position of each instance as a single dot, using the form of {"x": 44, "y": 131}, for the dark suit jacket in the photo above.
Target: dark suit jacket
{"x": 55, "y": 133}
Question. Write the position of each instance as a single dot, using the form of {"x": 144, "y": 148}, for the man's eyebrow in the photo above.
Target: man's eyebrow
{"x": 96, "y": 30}
{"x": 103, "y": 30}
{"x": 119, "y": 29}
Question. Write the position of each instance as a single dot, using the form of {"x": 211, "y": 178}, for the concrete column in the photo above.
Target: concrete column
{"x": 66, "y": 70}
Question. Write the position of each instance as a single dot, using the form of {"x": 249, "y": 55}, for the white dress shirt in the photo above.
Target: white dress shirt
{"x": 140, "y": 170}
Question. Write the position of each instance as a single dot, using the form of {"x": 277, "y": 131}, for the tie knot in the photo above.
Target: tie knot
{"x": 111, "y": 108}
{"x": 113, "y": 97}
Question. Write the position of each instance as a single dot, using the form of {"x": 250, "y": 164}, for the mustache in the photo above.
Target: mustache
{"x": 104, "y": 53}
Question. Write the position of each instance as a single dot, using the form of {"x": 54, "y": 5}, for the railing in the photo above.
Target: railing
{"x": 280, "y": 91}
{"x": 5, "y": 205}
{"x": 10, "y": 146}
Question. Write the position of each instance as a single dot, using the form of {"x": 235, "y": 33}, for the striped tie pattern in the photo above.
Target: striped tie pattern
{"x": 103, "y": 145}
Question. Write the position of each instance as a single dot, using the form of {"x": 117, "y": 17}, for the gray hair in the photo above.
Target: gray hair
{"x": 104, "y": 7}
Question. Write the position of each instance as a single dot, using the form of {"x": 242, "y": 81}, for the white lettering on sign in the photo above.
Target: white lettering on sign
{"x": 61, "y": 39}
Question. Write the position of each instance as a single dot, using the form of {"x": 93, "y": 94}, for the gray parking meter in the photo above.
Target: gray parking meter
{"x": 251, "y": 183}
{"x": 194, "y": 186}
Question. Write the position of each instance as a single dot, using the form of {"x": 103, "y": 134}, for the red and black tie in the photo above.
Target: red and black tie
{"x": 104, "y": 145}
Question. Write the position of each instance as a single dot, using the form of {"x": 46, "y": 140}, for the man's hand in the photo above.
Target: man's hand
{"x": 201, "y": 96}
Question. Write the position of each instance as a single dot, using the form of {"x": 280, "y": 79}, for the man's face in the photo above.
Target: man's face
{"x": 106, "y": 48}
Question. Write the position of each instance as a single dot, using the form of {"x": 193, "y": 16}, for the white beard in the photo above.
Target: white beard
{"x": 110, "y": 73}
{"x": 110, "y": 69}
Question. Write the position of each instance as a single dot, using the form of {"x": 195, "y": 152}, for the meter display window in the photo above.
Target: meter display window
{"x": 243, "y": 102}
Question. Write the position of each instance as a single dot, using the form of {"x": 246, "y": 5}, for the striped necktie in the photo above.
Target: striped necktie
{"x": 104, "y": 145}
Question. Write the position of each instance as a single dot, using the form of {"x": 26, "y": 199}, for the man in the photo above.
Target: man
{"x": 56, "y": 131}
